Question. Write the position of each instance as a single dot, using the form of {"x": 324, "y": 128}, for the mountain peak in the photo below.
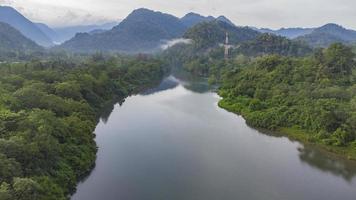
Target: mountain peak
{"x": 12, "y": 17}
{"x": 332, "y": 26}
{"x": 224, "y": 19}
{"x": 143, "y": 10}
{"x": 192, "y": 14}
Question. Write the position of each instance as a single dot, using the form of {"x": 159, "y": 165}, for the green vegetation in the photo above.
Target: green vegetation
{"x": 312, "y": 99}
{"x": 205, "y": 55}
{"x": 211, "y": 34}
{"x": 272, "y": 44}
{"x": 48, "y": 113}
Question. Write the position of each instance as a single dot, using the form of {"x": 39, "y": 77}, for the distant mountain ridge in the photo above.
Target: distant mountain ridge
{"x": 12, "y": 17}
{"x": 142, "y": 31}
{"x": 192, "y": 19}
{"x": 11, "y": 40}
{"x": 290, "y": 33}
{"x": 67, "y": 33}
{"x": 328, "y": 34}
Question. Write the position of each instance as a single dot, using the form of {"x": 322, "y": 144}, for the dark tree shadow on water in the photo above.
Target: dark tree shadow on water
{"x": 109, "y": 108}
{"x": 167, "y": 84}
{"x": 328, "y": 162}
{"x": 319, "y": 158}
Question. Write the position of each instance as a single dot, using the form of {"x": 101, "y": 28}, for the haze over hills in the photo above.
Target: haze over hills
{"x": 142, "y": 31}
{"x": 145, "y": 30}
{"x": 48, "y": 31}
{"x": 192, "y": 19}
{"x": 290, "y": 33}
{"x": 328, "y": 34}
{"x": 65, "y": 33}
{"x": 26, "y": 27}
{"x": 11, "y": 40}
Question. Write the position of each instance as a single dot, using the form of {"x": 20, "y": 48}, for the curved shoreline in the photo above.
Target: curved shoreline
{"x": 302, "y": 136}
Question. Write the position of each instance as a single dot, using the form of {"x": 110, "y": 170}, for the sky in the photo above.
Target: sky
{"x": 258, "y": 13}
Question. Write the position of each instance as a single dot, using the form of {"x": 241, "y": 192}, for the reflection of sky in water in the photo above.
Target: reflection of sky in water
{"x": 176, "y": 144}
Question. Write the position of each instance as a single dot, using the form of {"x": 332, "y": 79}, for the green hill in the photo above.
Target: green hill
{"x": 11, "y": 40}
{"x": 329, "y": 34}
{"x": 211, "y": 34}
{"x": 142, "y": 31}
{"x": 273, "y": 44}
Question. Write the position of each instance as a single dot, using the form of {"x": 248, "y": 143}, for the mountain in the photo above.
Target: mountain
{"x": 66, "y": 33}
{"x": 328, "y": 34}
{"x": 268, "y": 43}
{"x": 48, "y": 31}
{"x": 210, "y": 34}
{"x": 290, "y": 33}
{"x": 11, "y": 40}
{"x": 142, "y": 31}
{"x": 26, "y": 27}
{"x": 192, "y": 19}
{"x": 96, "y": 31}
{"x": 224, "y": 19}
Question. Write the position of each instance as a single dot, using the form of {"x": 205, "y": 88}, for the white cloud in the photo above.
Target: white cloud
{"x": 173, "y": 42}
{"x": 260, "y": 13}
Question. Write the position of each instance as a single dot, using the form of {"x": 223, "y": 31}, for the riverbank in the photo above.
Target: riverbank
{"x": 303, "y": 136}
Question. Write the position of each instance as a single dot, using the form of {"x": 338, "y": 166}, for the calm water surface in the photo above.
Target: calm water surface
{"x": 175, "y": 143}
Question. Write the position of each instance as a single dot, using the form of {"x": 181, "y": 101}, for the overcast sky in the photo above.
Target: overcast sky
{"x": 259, "y": 13}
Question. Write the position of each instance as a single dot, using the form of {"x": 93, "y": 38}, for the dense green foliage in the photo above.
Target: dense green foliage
{"x": 316, "y": 94}
{"x": 272, "y": 44}
{"x": 204, "y": 57}
{"x": 211, "y": 34}
{"x": 48, "y": 113}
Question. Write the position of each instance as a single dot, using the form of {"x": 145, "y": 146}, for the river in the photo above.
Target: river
{"x": 174, "y": 143}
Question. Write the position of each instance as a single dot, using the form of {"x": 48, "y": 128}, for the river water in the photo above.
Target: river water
{"x": 174, "y": 143}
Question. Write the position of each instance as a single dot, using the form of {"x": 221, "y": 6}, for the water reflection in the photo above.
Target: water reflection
{"x": 173, "y": 142}
{"x": 168, "y": 83}
{"x": 106, "y": 111}
{"x": 321, "y": 159}
{"x": 327, "y": 162}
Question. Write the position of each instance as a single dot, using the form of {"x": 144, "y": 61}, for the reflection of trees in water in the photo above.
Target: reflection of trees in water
{"x": 166, "y": 84}
{"x": 108, "y": 109}
{"x": 328, "y": 163}
{"x": 193, "y": 83}
{"x": 198, "y": 87}
{"x": 321, "y": 159}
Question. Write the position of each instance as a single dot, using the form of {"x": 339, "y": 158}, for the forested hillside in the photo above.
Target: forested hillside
{"x": 272, "y": 44}
{"x": 12, "y": 42}
{"x": 211, "y": 34}
{"x": 48, "y": 113}
{"x": 142, "y": 31}
{"x": 311, "y": 98}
